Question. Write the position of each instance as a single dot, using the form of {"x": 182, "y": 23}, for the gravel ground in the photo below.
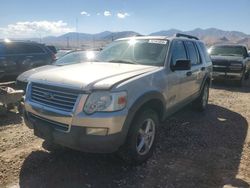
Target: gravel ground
{"x": 210, "y": 149}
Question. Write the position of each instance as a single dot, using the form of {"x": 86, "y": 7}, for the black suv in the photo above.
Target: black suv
{"x": 230, "y": 62}
{"x": 19, "y": 56}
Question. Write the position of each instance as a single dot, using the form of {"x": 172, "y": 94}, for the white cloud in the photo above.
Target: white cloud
{"x": 35, "y": 29}
{"x": 122, "y": 15}
{"x": 107, "y": 13}
{"x": 98, "y": 14}
{"x": 84, "y": 13}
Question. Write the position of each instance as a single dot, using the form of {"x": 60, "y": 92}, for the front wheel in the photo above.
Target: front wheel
{"x": 141, "y": 139}
{"x": 201, "y": 102}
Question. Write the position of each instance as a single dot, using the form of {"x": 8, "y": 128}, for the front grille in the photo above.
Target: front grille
{"x": 227, "y": 66}
{"x": 55, "y": 97}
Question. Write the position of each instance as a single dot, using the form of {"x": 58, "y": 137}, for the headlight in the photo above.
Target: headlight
{"x": 105, "y": 102}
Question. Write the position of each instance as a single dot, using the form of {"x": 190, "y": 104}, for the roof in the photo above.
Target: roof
{"x": 233, "y": 45}
{"x": 178, "y": 35}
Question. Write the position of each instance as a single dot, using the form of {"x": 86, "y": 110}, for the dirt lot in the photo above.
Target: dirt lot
{"x": 210, "y": 149}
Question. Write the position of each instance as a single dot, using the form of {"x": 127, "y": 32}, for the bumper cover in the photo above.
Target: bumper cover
{"x": 76, "y": 138}
{"x": 227, "y": 75}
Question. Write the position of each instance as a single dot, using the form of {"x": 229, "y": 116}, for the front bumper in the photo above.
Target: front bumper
{"x": 70, "y": 130}
{"x": 227, "y": 75}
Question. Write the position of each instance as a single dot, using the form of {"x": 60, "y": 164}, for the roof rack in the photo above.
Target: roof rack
{"x": 187, "y": 36}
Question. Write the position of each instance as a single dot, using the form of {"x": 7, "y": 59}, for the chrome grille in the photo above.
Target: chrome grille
{"x": 56, "y": 97}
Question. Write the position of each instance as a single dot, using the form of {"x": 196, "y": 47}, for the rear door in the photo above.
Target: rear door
{"x": 196, "y": 74}
{"x": 35, "y": 56}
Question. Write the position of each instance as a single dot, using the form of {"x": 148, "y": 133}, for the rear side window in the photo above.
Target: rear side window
{"x": 20, "y": 48}
{"x": 2, "y": 49}
{"x": 13, "y": 48}
{"x": 178, "y": 52}
{"x": 31, "y": 49}
{"x": 204, "y": 50}
{"x": 192, "y": 52}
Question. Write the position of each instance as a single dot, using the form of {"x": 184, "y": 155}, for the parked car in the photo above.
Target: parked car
{"x": 116, "y": 103}
{"x": 19, "y": 56}
{"x": 61, "y": 53}
{"x": 231, "y": 62}
{"x": 72, "y": 57}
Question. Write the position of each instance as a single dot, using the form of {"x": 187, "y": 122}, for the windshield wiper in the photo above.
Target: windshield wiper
{"x": 122, "y": 61}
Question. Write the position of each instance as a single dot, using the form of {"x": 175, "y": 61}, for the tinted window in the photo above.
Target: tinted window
{"x": 192, "y": 53}
{"x": 2, "y": 49}
{"x": 179, "y": 52}
{"x": 20, "y": 48}
{"x": 204, "y": 51}
{"x": 13, "y": 48}
{"x": 31, "y": 49}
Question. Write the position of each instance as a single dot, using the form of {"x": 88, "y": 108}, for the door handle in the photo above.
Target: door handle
{"x": 189, "y": 73}
{"x": 203, "y": 68}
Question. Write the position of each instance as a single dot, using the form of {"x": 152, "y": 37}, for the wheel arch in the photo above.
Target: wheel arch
{"x": 151, "y": 99}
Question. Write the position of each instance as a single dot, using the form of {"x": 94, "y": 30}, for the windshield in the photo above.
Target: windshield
{"x": 75, "y": 57}
{"x": 227, "y": 51}
{"x": 142, "y": 51}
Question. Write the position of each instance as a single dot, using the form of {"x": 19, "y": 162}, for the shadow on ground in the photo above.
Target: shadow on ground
{"x": 194, "y": 150}
{"x": 230, "y": 85}
{"x": 10, "y": 118}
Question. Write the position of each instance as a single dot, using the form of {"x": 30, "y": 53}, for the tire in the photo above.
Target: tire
{"x": 240, "y": 82}
{"x": 141, "y": 139}
{"x": 201, "y": 102}
{"x": 247, "y": 75}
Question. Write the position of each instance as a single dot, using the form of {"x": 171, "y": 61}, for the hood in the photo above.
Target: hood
{"x": 24, "y": 76}
{"x": 88, "y": 76}
{"x": 227, "y": 58}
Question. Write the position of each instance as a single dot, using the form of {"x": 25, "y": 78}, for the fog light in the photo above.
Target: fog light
{"x": 97, "y": 131}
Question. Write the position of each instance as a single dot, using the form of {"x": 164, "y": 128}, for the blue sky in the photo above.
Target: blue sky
{"x": 53, "y": 17}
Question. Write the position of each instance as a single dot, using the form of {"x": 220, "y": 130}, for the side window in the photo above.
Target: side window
{"x": 31, "y": 49}
{"x": 178, "y": 52}
{"x": 13, "y": 48}
{"x": 192, "y": 53}
{"x": 2, "y": 49}
{"x": 203, "y": 49}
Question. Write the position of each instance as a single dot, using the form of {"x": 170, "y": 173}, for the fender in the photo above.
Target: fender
{"x": 146, "y": 97}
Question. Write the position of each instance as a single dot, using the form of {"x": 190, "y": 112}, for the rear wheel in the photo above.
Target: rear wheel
{"x": 201, "y": 102}
{"x": 141, "y": 139}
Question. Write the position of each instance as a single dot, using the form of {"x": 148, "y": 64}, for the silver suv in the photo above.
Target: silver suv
{"x": 116, "y": 103}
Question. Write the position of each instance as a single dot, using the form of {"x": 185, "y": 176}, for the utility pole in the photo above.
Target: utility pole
{"x": 67, "y": 42}
{"x": 77, "y": 33}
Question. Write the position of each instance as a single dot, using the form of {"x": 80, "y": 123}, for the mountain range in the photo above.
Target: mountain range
{"x": 209, "y": 36}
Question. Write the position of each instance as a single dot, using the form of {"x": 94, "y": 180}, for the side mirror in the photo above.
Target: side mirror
{"x": 182, "y": 64}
